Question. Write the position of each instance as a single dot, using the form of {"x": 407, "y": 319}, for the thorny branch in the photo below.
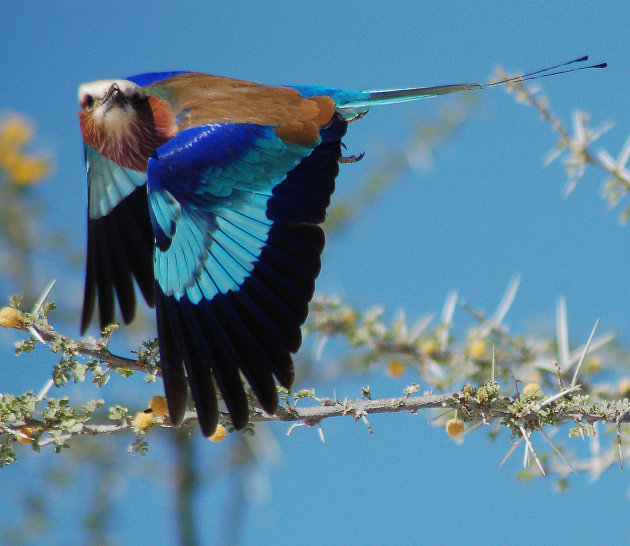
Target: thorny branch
{"x": 488, "y": 352}
{"x": 97, "y": 349}
{"x": 329, "y": 408}
{"x": 576, "y": 147}
{"x": 431, "y": 351}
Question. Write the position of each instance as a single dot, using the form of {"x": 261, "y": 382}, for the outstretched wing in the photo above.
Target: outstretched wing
{"x": 234, "y": 210}
{"x": 120, "y": 235}
{"x": 120, "y": 240}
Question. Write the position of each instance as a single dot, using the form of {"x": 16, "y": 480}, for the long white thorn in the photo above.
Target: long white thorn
{"x": 619, "y": 442}
{"x": 510, "y": 451}
{"x": 321, "y": 434}
{"x": 595, "y": 448}
{"x": 44, "y": 390}
{"x": 447, "y": 318}
{"x": 555, "y": 448}
{"x": 44, "y": 295}
{"x": 36, "y": 335}
{"x": 502, "y": 309}
{"x": 588, "y": 344}
{"x": 530, "y": 447}
{"x": 619, "y": 447}
{"x": 38, "y": 304}
{"x": 562, "y": 333}
{"x": 559, "y": 395}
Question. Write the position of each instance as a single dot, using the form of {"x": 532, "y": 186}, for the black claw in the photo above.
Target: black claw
{"x": 357, "y": 117}
{"x": 351, "y": 158}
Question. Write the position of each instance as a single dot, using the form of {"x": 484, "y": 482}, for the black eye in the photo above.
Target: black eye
{"x": 137, "y": 98}
{"x": 88, "y": 101}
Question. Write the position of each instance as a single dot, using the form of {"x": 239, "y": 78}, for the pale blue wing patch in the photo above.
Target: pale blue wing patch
{"x": 214, "y": 252}
{"x": 108, "y": 183}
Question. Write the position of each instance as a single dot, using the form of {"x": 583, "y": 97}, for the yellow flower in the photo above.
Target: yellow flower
{"x": 143, "y": 421}
{"x": 9, "y": 317}
{"x": 429, "y": 347}
{"x": 396, "y": 368}
{"x": 347, "y": 317}
{"x": 28, "y": 170}
{"x": 624, "y": 386}
{"x": 219, "y": 434}
{"x": 531, "y": 390}
{"x": 158, "y": 406}
{"x": 454, "y": 427}
{"x": 20, "y": 168}
{"x": 477, "y": 348}
{"x": 592, "y": 365}
{"x": 27, "y": 433}
{"x": 15, "y": 132}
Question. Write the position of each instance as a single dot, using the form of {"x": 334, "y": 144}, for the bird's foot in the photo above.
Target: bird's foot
{"x": 351, "y": 158}
{"x": 357, "y": 117}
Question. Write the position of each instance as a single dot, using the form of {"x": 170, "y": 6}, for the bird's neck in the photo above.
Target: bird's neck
{"x": 128, "y": 136}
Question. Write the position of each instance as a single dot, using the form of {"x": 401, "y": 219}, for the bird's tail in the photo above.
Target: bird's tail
{"x": 351, "y": 104}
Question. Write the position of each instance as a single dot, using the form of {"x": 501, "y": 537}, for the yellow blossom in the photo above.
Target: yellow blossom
{"x": 28, "y": 170}
{"x": 429, "y": 347}
{"x": 396, "y": 368}
{"x": 592, "y": 365}
{"x": 531, "y": 390}
{"x": 9, "y": 317}
{"x": 624, "y": 386}
{"x": 158, "y": 406}
{"x": 21, "y": 169}
{"x": 15, "y": 132}
{"x": 347, "y": 317}
{"x": 477, "y": 348}
{"x": 25, "y": 437}
{"x": 454, "y": 427}
{"x": 143, "y": 421}
{"x": 219, "y": 434}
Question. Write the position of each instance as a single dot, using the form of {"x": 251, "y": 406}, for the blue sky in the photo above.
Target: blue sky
{"x": 486, "y": 210}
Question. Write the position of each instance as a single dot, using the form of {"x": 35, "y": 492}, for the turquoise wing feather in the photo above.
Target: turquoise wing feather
{"x": 234, "y": 210}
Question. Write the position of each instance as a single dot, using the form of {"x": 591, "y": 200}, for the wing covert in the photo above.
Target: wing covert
{"x": 236, "y": 256}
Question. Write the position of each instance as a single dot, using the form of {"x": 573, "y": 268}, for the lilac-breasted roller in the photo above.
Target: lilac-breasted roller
{"x": 208, "y": 192}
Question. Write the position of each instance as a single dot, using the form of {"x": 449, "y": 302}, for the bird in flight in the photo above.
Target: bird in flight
{"x": 208, "y": 192}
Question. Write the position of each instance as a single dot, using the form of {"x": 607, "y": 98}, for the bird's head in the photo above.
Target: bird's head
{"x": 110, "y": 106}
{"x": 122, "y": 122}
{"x": 101, "y": 96}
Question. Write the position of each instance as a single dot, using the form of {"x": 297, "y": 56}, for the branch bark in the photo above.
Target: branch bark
{"x": 95, "y": 350}
{"x": 359, "y": 409}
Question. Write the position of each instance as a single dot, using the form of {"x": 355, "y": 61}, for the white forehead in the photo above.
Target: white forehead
{"x": 99, "y": 89}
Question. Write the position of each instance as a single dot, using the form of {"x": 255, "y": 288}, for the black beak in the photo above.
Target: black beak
{"x": 113, "y": 96}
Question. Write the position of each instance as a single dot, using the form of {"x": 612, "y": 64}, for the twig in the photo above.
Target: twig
{"x": 94, "y": 350}
{"x": 314, "y": 415}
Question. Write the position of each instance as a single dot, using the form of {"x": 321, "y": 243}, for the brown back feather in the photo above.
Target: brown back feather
{"x": 204, "y": 98}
